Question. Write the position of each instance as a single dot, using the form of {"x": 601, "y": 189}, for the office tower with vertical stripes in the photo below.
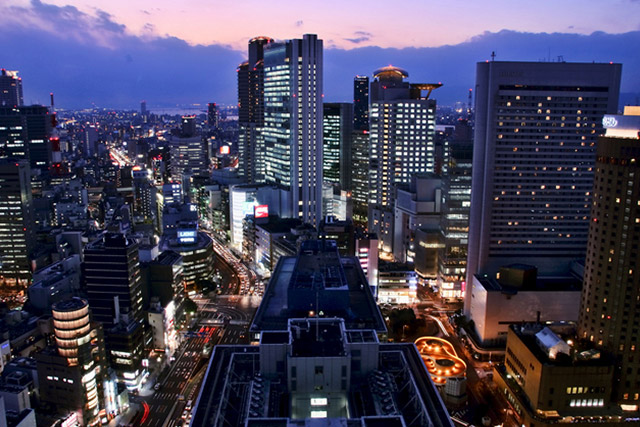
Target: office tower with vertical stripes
{"x": 251, "y": 112}
{"x": 292, "y": 129}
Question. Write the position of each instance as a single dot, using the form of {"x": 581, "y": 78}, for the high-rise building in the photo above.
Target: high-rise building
{"x": 16, "y": 226}
{"x": 213, "y": 115}
{"x": 25, "y": 133}
{"x": 360, "y": 150}
{"x": 188, "y": 151}
{"x": 454, "y": 222}
{"x": 610, "y": 311}
{"x": 402, "y": 132}
{"x": 251, "y": 112}
{"x": 293, "y": 124}
{"x": 10, "y": 89}
{"x": 113, "y": 285}
{"x": 119, "y": 291}
{"x": 336, "y": 146}
{"x": 536, "y": 127}
{"x": 143, "y": 108}
{"x": 361, "y": 103}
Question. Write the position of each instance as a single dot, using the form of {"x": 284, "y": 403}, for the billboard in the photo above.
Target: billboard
{"x": 261, "y": 211}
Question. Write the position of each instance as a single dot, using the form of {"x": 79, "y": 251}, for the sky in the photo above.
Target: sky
{"x": 116, "y": 53}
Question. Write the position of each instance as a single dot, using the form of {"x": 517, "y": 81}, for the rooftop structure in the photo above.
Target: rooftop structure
{"x": 319, "y": 373}
{"x": 318, "y": 282}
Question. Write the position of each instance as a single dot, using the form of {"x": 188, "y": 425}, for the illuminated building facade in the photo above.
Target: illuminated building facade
{"x": 454, "y": 221}
{"x": 536, "y": 127}
{"x": 401, "y": 143}
{"x": 397, "y": 284}
{"x": 242, "y": 200}
{"x": 549, "y": 380}
{"x": 251, "y": 112}
{"x": 337, "y": 131}
{"x": 610, "y": 311}
{"x": 188, "y": 151}
{"x": 72, "y": 376}
{"x": 16, "y": 226}
{"x": 10, "y": 89}
{"x": 360, "y": 150}
{"x": 293, "y": 124}
{"x": 25, "y": 133}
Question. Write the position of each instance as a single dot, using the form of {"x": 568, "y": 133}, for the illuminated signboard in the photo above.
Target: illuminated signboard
{"x": 261, "y": 211}
{"x": 187, "y": 236}
{"x": 224, "y": 149}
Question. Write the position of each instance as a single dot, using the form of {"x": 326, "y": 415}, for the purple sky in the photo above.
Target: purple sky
{"x": 117, "y": 52}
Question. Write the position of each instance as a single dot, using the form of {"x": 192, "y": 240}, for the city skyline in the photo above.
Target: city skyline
{"x": 102, "y": 51}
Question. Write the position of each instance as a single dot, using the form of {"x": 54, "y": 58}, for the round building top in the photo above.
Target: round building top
{"x": 262, "y": 39}
{"x": 71, "y": 304}
{"x": 390, "y": 71}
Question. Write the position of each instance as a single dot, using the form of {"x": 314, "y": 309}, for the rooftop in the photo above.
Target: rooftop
{"x": 333, "y": 273}
{"x": 542, "y": 284}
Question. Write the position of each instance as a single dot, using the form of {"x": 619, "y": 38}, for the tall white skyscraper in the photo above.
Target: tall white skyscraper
{"x": 293, "y": 125}
{"x": 402, "y": 130}
{"x": 536, "y": 130}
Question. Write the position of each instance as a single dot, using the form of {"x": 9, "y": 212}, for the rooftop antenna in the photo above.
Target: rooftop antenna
{"x": 469, "y": 104}
{"x": 493, "y": 56}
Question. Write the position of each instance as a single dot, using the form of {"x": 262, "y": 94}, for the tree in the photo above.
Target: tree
{"x": 190, "y": 306}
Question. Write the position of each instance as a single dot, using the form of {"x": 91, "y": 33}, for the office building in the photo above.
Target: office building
{"x": 360, "y": 151}
{"x": 251, "y": 112}
{"x": 318, "y": 280}
{"x": 119, "y": 291}
{"x": 10, "y": 89}
{"x": 397, "y": 283}
{"x": 16, "y": 227}
{"x": 337, "y": 131}
{"x": 402, "y": 132}
{"x": 454, "y": 221}
{"x": 113, "y": 285}
{"x": 361, "y": 103}
{"x": 417, "y": 208}
{"x": 25, "y": 133}
{"x": 242, "y": 201}
{"x": 188, "y": 151}
{"x": 213, "y": 116}
{"x": 293, "y": 124}
{"x": 610, "y": 311}
{"x": 536, "y": 127}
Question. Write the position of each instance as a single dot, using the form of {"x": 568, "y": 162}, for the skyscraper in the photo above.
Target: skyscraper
{"x": 360, "y": 150}
{"x": 610, "y": 311}
{"x": 118, "y": 292}
{"x": 10, "y": 89}
{"x": 16, "y": 226}
{"x": 25, "y": 134}
{"x": 251, "y": 111}
{"x": 535, "y": 134}
{"x": 336, "y": 152}
{"x": 293, "y": 125}
{"x": 113, "y": 284}
{"x": 402, "y": 132}
{"x": 361, "y": 103}
{"x": 188, "y": 151}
